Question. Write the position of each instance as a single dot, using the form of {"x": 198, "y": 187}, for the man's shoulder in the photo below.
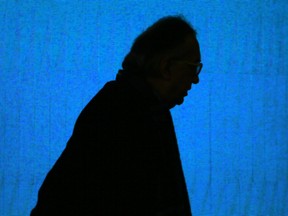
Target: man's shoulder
{"x": 112, "y": 97}
{"x": 113, "y": 93}
{"x": 114, "y": 104}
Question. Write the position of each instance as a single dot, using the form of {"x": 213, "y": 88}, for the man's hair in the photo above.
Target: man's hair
{"x": 163, "y": 38}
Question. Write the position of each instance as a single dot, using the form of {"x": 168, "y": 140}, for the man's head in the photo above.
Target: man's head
{"x": 167, "y": 56}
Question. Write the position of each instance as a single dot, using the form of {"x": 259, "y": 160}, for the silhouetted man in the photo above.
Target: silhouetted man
{"x": 122, "y": 158}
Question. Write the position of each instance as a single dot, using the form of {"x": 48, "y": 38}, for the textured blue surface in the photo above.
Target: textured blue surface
{"x": 232, "y": 131}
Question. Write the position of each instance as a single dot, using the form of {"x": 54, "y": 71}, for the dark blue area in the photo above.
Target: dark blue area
{"x": 231, "y": 130}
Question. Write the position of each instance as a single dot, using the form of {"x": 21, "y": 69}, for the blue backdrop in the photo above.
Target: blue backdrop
{"x": 232, "y": 130}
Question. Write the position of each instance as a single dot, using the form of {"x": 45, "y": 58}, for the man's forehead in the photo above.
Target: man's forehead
{"x": 193, "y": 49}
{"x": 188, "y": 50}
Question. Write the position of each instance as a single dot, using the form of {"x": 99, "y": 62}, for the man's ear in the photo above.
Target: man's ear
{"x": 164, "y": 69}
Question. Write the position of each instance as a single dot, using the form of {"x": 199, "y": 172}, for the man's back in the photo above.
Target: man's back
{"x": 122, "y": 159}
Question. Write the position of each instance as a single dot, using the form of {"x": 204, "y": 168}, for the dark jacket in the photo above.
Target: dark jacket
{"x": 122, "y": 159}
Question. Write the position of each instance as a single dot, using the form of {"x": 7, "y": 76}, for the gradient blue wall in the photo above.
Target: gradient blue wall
{"x": 232, "y": 130}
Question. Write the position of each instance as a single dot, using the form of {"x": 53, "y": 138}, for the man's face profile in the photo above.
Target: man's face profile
{"x": 182, "y": 73}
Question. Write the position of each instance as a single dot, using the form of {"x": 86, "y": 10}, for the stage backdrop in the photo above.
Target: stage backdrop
{"x": 232, "y": 130}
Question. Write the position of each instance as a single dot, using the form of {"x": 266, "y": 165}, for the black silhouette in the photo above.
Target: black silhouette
{"x": 122, "y": 158}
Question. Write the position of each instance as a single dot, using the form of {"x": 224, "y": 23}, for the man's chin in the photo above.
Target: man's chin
{"x": 176, "y": 102}
{"x": 180, "y": 101}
